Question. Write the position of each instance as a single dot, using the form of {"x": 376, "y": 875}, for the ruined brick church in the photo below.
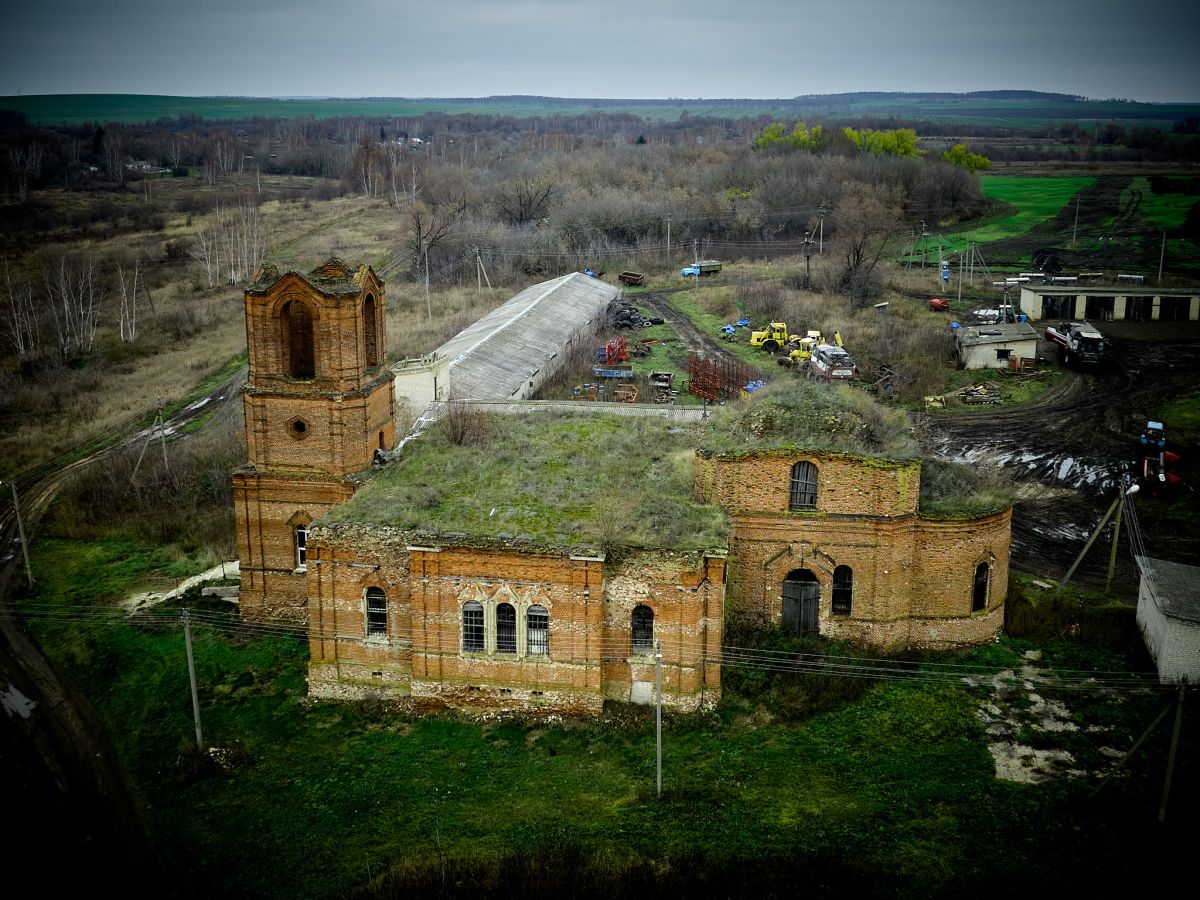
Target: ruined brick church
{"x": 818, "y": 542}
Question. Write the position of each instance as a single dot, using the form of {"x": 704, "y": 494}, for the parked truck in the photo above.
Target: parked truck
{"x": 1078, "y": 342}
{"x": 700, "y": 268}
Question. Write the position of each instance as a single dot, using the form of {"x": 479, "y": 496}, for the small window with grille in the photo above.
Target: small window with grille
{"x": 377, "y": 625}
{"x": 472, "y": 627}
{"x": 843, "y": 590}
{"x": 537, "y": 623}
{"x": 642, "y": 627}
{"x": 506, "y": 628}
{"x": 804, "y": 486}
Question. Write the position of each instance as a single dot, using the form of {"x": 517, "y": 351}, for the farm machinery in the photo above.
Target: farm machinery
{"x": 1078, "y": 342}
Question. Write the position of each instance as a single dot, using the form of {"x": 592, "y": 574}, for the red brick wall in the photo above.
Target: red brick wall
{"x": 913, "y": 577}
{"x": 426, "y": 589}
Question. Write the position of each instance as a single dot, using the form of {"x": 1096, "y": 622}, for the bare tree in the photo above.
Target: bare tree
{"x": 20, "y": 316}
{"x": 863, "y": 222}
{"x": 127, "y": 318}
{"x": 206, "y": 251}
{"x": 74, "y": 294}
{"x": 427, "y": 227}
{"x": 524, "y": 200}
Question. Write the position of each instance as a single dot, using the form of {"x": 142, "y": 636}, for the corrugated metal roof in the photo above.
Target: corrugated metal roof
{"x": 1000, "y": 333}
{"x": 497, "y": 357}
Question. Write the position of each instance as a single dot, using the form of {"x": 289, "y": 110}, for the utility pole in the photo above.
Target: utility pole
{"x": 821, "y": 241}
{"x": 668, "y": 240}
{"x": 1112, "y": 553}
{"x": 658, "y": 714}
{"x": 187, "y": 642}
{"x": 960, "y": 274}
{"x": 162, "y": 435}
{"x": 21, "y": 533}
{"x": 1075, "y": 230}
{"x": 1162, "y": 807}
{"x": 1161, "y": 255}
{"x": 808, "y": 241}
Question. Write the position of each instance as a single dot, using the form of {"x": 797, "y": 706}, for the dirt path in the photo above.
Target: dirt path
{"x": 79, "y": 821}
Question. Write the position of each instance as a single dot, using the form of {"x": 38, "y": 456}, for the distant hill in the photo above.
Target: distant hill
{"x": 1001, "y": 108}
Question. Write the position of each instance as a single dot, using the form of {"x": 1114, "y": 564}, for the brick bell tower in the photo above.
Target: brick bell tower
{"x": 318, "y": 403}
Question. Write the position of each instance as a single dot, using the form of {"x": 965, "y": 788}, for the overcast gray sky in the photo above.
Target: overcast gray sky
{"x": 1138, "y": 49}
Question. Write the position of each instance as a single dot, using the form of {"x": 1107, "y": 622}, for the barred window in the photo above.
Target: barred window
{"x": 376, "y": 613}
{"x": 804, "y": 486}
{"x": 506, "y": 628}
{"x": 537, "y": 625}
{"x": 843, "y": 590}
{"x": 643, "y": 629}
{"x": 472, "y": 627}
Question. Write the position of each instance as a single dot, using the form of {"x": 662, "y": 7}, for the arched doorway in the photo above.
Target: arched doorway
{"x": 801, "y": 595}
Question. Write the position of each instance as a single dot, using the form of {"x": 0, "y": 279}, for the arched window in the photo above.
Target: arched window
{"x": 297, "y": 319}
{"x": 506, "y": 628}
{"x": 472, "y": 627}
{"x": 804, "y": 486}
{"x": 642, "y": 627}
{"x": 979, "y": 596}
{"x": 377, "y": 625}
{"x": 301, "y": 541}
{"x": 537, "y": 637}
{"x": 369, "y": 335}
{"x": 801, "y": 594}
{"x": 843, "y": 590}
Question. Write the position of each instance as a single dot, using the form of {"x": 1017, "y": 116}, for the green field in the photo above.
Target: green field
{"x": 1167, "y": 212}
{"x": 54, "y": 109}
{"x": 1033, "y": 200}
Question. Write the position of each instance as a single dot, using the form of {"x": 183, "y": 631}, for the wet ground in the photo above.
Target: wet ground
{"x": 1068, "y": 450}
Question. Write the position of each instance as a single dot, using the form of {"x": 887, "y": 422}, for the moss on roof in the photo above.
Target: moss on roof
{"x": 571, "y": 481}
{"x": 810, "y": 415}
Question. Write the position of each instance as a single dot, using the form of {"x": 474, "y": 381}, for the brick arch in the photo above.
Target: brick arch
{"x": 296, "y": 318}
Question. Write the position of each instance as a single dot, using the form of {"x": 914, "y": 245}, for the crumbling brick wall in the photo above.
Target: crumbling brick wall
{"x": 422, "y": 655}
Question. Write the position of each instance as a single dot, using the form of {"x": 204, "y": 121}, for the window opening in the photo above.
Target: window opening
{"x": 472, "y": 627}
{"x": 376, "y": 613}
{"x": 843, "y": 590}
{"x": 369, "y": 337}
{"x": 506, "y": 628}
{"x": 301, "y": 544}
{"x": 804, "y": 486}
{"x": 979, "y": 596}
{"x": 537, "y": 621}
{"x": 298, "y": 340}
{"x": 642, "y": 626}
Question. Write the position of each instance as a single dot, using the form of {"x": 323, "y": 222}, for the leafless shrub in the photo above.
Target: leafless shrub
{"x": 464, "y": 423}
{"x": 764, "y": 300}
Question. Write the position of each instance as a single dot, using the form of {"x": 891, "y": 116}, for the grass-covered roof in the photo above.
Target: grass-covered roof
{"x": 811, "y": 415}
{"x": 572, "y": 481}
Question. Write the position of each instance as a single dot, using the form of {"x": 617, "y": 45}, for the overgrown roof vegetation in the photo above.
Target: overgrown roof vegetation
{"x": 811, "y": 415}
{"x": 953, "y": 490}
{"x": 557, "y": 479}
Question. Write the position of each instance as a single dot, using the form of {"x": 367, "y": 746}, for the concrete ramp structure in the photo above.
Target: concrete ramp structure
{"x": 511, "y": 351}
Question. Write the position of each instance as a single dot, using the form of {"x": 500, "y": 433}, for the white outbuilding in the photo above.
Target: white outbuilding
{"x": 996, "y": 346}
{"x": 1168, "y": 614}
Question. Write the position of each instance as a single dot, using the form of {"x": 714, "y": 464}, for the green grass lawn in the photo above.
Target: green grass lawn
{"x": 869, "y": 788}
{"x": 700, "y": 306}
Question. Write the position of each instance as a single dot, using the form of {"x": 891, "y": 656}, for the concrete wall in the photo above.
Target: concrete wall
{"x": 984, "y": 356}
{"x": 420, "y": 382}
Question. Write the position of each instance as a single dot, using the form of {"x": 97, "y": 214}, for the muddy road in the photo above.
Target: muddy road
{"x": 1068, "y": 450}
